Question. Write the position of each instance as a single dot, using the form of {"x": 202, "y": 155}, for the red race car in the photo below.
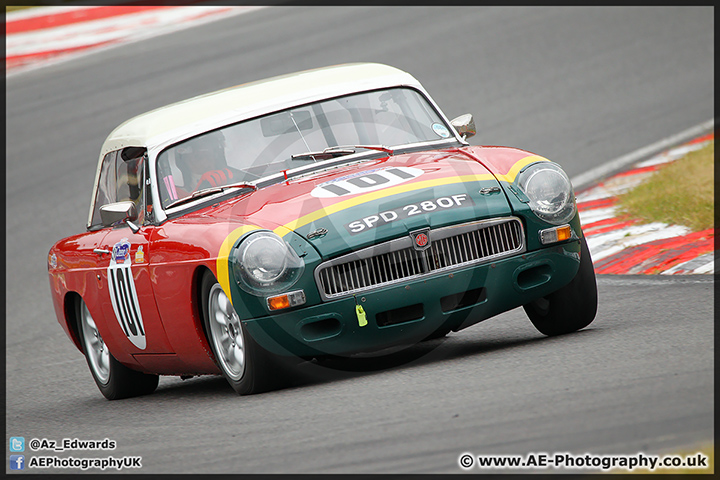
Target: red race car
{"x": 330, "y": 212}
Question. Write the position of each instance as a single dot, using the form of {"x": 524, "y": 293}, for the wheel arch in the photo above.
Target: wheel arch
{"x": 197, "y": 301}
{"x": 71, "y": 310}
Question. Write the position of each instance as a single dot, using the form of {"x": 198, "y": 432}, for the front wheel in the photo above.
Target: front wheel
{"x": 244, "y": 364}
{"x": 114, "y": 379}
{"x": 572, "y": 307}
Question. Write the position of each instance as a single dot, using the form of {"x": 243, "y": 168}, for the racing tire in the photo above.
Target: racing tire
{"x": 247, "y": 367}
{"x": 570, "y": 308}
{"x": 114, "y": 379}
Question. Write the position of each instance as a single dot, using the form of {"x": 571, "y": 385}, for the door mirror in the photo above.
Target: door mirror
{"x": 465, "y": 125}
{"x": 113, "y": 213}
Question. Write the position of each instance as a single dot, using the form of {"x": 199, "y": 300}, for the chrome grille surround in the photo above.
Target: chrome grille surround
{"x": 395, "y": 261}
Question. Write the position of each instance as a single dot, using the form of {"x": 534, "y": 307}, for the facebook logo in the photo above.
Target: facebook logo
{"x": 17, "y": 444}
{"x": 17, "y": 462}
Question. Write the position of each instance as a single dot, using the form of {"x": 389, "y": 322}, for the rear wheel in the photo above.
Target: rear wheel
{"x": 572, "y": 307}
{"x": 244, "y": 364}
{"x": 114, "y": 379}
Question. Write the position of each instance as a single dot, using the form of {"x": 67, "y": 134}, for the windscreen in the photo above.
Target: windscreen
{"x": 263, "y": 146}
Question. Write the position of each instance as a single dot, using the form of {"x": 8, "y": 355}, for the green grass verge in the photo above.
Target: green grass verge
{"x": 679, "y": 193}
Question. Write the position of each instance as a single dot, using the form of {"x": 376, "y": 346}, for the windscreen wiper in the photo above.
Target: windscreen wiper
{"x": 209, "y": 191}
{"x": 338, "y": 151}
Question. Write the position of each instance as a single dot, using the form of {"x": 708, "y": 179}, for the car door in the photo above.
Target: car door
{"x": 130, "y": 298}
{"x": 128, "y": 303}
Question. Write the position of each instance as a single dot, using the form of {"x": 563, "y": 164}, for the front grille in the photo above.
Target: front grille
{"x": 397, "y": 260}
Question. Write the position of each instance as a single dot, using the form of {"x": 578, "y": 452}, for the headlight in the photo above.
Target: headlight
{"x": 263, "y": 263}
{"x": 550, "y": 192}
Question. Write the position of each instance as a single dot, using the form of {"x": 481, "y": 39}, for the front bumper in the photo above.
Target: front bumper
{"x": 406, "y": 313}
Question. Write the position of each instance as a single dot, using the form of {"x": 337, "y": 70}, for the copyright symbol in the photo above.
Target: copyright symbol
{"x": 34, "y": 444}
{"x": 466, "y": 460}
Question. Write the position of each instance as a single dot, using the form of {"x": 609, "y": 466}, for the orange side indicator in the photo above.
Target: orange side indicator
{"x": 278, "y": 303}
{"x": 563, "y": 233}
{"x": 555, "y": 234}
{"x": 286, "y": 300}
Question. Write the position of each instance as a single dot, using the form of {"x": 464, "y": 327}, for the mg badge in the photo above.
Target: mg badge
{"x": 421, "y": 239}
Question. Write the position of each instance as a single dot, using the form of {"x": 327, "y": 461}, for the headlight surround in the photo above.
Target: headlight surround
{"x": 263, "y": 263}
{"x": 550, "y": 192}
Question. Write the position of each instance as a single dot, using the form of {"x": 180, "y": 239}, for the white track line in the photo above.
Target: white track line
{"x": 119, "y": 30}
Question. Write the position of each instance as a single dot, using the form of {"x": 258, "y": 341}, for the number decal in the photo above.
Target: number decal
{"x": 123, "y": 294}
{"x": 366, "y": 181}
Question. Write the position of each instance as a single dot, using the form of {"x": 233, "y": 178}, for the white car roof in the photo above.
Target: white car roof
{"x": 160, "y": 127}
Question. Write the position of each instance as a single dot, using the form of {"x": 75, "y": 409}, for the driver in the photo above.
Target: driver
{"x": 202, "y": 162}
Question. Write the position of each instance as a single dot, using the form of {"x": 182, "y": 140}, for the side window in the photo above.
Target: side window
{"x": 121, "y": 179}
{"x": 106, "y": 187}
{"x": 130, "y": 168}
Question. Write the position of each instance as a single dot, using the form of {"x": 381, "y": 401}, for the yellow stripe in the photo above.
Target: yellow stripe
{"x": 519, "y": 165}
{"x": 223, "y": 274}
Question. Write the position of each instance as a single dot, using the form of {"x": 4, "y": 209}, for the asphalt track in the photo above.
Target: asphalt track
{"x": 578, "y": 85}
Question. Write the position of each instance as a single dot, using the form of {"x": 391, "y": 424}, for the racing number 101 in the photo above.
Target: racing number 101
{"x": 124, "y": 299}
{"x": 370, "y": 181}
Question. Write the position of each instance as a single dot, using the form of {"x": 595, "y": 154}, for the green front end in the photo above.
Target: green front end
{"x": 408, "y": 311}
